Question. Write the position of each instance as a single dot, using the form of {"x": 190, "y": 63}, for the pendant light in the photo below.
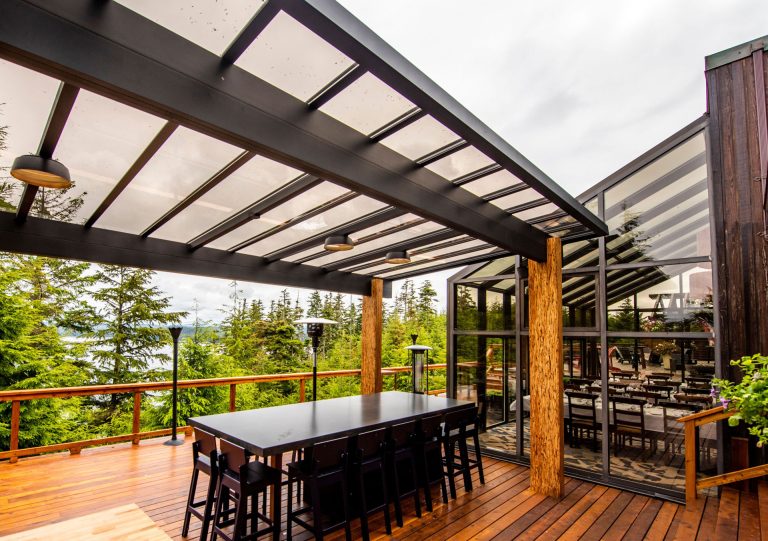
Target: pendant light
{"x": 339, "y": 243}
{"x": 39, "y": 171}
{"x": 397, "y": 258}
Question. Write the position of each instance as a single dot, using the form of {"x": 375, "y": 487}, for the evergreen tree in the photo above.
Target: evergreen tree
{"x": 133, "y": 329}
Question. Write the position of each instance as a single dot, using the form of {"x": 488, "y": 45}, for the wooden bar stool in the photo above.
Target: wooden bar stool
{"x": 369, "y": 474}
{"x": 323, "y": 472}
{"x": 204, "y": 459}
{"x": 401, "y": 467}
{"x": 429, "y": 463}
{"x": 241, "y": 480}
{"x": 460, "y": 426}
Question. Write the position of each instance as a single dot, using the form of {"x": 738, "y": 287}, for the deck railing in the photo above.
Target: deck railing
{"x": 692, "y": 484}
{"x": 16, "y": 397}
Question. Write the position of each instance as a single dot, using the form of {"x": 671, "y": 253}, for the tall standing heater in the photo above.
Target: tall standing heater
{"x": 420, "y": 370}
{"x": 315, "y": 327}
{"x": 175, "y": 333}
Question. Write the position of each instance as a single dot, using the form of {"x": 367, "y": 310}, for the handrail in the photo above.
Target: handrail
{"x": 692, "y": 484}
{"x": 16, "y": 396}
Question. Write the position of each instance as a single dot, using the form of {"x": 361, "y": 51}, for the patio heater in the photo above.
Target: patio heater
{"x": 175, "y": 333}
{"x": 315, "y": 327}
{"x": 419, "y": 362}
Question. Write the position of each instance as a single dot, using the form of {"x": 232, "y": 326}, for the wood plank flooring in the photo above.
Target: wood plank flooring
{"x": 43, "y": 490}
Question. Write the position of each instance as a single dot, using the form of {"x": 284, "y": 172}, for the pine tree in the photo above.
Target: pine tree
{"x": 133, "y": 329}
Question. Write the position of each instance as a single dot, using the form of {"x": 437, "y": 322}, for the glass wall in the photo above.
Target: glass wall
{"x": 638, "y": 329}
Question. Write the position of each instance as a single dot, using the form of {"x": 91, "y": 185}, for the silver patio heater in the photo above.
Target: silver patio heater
{"x": 315, "y": 327}
{"x": 419, "y": 362}
{"x": 175, "y": 333}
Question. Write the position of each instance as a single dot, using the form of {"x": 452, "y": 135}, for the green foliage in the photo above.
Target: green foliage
{"x": 748, "y": 397}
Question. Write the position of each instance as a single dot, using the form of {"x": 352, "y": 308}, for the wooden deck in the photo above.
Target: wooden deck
{"x": 53, "y": 488}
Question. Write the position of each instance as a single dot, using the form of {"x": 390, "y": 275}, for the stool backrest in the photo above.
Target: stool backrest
{"x": 371, "y": 443}
{"x": 205, "y": 443}
{"x": 402, "y": 434}
{"x": 431, "y": 427}
{"x": 233, "y": 456}
{"x": 330, "y": 454}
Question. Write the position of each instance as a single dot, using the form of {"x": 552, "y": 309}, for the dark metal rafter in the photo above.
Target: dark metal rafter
{"x": 336, "y": 87}
{"x": 296, "y": 187}
{"x": 118, "y": 53}
{"x": 250, "y": 32}
{"x": 418, "y": 251}
{"x": 452, "y": 265}
{"x": 162, "y": 136}
{"x": 304, "y": 216}
{"x": 406, "y": 119}
{"x": 340, "y": 28}
{"x": 201, "y": 190}
{"x": 62, "y": 106}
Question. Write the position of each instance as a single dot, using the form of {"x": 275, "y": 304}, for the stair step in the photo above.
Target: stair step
{"x": 762, "y": 494}
{"x": 727, "y": 526}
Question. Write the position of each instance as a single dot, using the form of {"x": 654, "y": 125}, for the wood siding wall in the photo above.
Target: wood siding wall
{"x": 738, "y": 205}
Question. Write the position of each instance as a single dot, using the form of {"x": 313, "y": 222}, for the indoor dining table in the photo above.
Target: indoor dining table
{"x": 270, "y": 432}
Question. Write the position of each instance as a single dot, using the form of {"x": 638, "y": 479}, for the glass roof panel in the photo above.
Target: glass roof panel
{"x": 101, "y": 140}
{"x": 367, "y": 104}
{"x": 557, "y": 222}
{"x": 404, "y": 219}
{"x": 429, "y": 255}
{"x": 393, "y": 269}
{"x": 182, "y": 164}
{"x": 377, "y": 243}
{"x": 322, "y": 193}
{"x": 26, "y": 98}
{"x": 420, "y": 138}
{"x": 491, "y": 183}
{"x": 293, "y": 58}
{"x": 516, "y": 199}
{"x": 504, "y": 265}
{"x": 211, "y": 24}
{"x": 536, "y": 212}
{"x": 259, "y": 177}
{"x": 460, "y": 163}
{"x": 331, "y": 218}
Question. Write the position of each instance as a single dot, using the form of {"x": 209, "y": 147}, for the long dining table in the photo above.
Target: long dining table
{"x": 270, "y": 432}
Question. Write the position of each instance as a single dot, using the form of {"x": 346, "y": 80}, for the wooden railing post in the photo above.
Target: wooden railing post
{"x": 232, "y": 397}
{"x": 136, "y": 418}
{"x": 302, "y": 390}
{"x": 15, "y": 420}
{"x": 690, "y": 462}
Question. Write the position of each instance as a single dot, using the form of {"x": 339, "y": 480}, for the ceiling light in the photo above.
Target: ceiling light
{"x": 339, "y": 243}
{"x": 39, "y": 171}
{"x": 397, "y": 258}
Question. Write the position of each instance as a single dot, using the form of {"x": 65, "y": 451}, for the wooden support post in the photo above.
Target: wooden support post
{"x": 546, "y": 372}
{"x": 370, "y": 374}
{"x": 136, "y": 418}
{"x": 232, "y": 397}
{"x": 15, "y": 421}
{"x": 690, "y": 463}
{"x": 302, "y": 390}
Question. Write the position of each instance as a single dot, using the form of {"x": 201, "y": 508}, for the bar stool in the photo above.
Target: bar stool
{"x": 324, "y": 470}
{"x": 369, "y": 473}
{"x": 204, "y": 459}
{"x": 401, "y": 466}
{"x": 241, "y": 480}
{"x": 430, "y": 469}
{"x": 459, "y": 426}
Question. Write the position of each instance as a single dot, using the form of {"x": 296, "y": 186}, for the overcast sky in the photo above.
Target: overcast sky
{"x": 580, "y": 88}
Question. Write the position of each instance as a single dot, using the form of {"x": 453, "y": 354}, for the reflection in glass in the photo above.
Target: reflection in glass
{"x": 580, "y": 301}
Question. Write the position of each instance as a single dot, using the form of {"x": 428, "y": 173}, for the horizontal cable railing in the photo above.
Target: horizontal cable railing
{"x": 16, "y": 397}
{"x": 692, "y": 484}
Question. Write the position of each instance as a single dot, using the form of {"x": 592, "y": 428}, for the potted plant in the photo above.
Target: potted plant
{"x": 665, "y": 351}
{"x": 748, "y": 397}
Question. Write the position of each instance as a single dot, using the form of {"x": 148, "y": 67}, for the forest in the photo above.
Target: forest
{"x": 66, "y": 323}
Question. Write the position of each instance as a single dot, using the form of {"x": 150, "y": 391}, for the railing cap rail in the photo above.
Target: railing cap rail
{"x": 701, "y": 414}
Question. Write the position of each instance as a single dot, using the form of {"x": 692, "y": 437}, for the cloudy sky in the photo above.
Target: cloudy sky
{"x": 580, "y": 88}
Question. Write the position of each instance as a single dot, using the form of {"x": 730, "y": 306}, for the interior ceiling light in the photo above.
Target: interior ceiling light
{"x": 397, "y": 258}
{"x": 40, "y": 171}
{"x": 339, "y": 243}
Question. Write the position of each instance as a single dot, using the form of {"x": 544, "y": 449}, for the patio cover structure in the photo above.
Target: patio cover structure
{"x": 233, "y": 142}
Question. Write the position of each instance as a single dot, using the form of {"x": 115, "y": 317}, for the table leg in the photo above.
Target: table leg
{"x": 275, "y": 511}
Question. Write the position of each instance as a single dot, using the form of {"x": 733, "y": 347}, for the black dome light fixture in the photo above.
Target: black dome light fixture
{"x": 339, "y": 243}
{"x": 42, "y": 172}
{"x": 397, "y": 258}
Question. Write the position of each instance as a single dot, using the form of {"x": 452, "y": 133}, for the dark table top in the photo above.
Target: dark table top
{"x": 269, "y": 431}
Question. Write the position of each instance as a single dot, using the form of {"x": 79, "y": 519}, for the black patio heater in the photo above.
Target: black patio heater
{"x": 175, "y": 333}
{"x": 419, "y": 362}
{"x": 315, "y": 327}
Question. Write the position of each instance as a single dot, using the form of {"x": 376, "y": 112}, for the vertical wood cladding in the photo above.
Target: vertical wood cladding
{"x": 741, "y": 244}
